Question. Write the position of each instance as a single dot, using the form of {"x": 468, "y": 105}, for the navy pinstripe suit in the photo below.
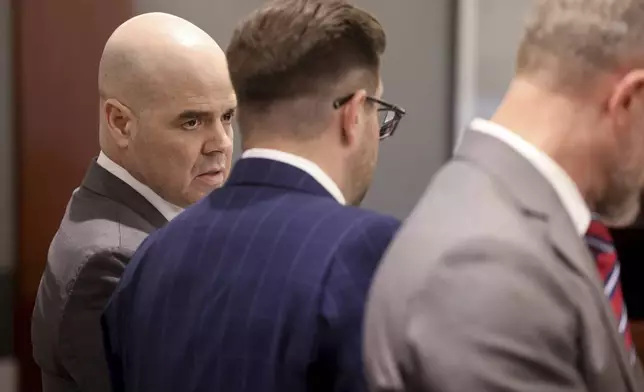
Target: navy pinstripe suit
{"x": 258, "y": 287}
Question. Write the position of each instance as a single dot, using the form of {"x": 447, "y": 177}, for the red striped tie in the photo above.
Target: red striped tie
{"x": 601, "y": 245}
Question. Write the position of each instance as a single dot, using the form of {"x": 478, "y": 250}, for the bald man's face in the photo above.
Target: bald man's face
{"x": 181, "y": 143}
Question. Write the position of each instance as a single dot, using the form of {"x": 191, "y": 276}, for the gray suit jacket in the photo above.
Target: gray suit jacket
{"x": 104, "y": 223}
{"x": 489, "y": 288}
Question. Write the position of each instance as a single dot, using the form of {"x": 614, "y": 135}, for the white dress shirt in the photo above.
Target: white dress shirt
{"x": 303, "y": 164}
{"x": 563, "y": 185}
{"x": 167, "y": 209}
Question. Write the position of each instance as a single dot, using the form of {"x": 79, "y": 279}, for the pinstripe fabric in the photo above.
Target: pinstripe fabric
{"x": 259, "y": 287}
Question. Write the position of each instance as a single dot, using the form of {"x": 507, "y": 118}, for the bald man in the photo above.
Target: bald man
{"x": 166, "y": 141}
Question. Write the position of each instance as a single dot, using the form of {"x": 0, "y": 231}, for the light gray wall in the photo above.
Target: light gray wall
{"x": 416, "y": 74}
{"x": 217, "y": 18}
{"x": 489, "y": 32}
{"x": 499, "y": 30}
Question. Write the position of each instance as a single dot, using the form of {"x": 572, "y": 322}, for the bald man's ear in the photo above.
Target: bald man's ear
{"x": 119, "y": 119}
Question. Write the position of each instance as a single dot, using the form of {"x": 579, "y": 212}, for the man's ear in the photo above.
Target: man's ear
{"x": 119, "y": 121}
{"x": 352, "y": 116}
{"x": 629, "y": 91}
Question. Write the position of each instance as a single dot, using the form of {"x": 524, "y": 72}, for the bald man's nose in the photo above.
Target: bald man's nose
{"x": 218, "y": 140}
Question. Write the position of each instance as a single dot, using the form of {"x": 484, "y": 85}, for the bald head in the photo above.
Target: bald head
{"x": 150, "y": 52}
{"x": 166, "y": 106}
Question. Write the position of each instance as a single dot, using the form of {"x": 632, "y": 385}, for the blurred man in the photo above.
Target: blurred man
{"x": 261, "y": 286}
{"x": 490, "y": 285}
{"x": 165, "y": 136}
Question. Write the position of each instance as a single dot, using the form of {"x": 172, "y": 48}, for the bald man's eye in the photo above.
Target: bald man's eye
{"x": 228, "y": 117}
{"x": 191, "y": 124}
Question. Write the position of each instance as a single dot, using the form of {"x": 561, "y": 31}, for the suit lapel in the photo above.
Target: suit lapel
{"x": 102, "y": 182}
{"x": 274, "y": 174}
{"x": 537, "y": 199}
{"x": 576, "y": 253}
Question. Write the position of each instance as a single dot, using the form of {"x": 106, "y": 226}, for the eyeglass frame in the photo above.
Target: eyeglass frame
{"x": 399, "y": 112}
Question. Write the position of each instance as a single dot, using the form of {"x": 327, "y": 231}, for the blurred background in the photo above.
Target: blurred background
{"x": 447, "y": 61}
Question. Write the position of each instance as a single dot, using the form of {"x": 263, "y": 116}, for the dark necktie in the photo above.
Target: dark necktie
{"x": 601, "y": 245}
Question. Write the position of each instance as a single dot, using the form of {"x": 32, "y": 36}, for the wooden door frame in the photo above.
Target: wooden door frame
{"x": 57, "y": 46}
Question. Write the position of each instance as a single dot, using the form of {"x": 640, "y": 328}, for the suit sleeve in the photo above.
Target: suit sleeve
{"x": 490, "y": 319}
{"x": 81, "y": 337}
{"x": 343, "y": 303}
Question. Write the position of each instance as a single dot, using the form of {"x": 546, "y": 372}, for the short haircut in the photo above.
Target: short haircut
{"x": 568, "y": 42}
{"x": 290, "y": 49}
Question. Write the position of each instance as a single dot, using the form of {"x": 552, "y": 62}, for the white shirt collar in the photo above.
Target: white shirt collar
{"x": 303, "y": 164}
{"x": 167, "y": 209}
{"x": 563, "y": 185}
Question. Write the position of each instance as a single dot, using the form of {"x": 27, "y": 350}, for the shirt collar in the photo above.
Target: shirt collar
{"x": 563, "y": 185}
{"x": 303, "y": 164}
{"x": 167, "y": 209}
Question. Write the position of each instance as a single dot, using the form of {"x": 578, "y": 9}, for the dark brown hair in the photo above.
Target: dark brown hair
{"x": 293, "y": 48}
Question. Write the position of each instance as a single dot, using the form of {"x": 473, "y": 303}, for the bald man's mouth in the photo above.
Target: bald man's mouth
{"x": 213, "y": 178}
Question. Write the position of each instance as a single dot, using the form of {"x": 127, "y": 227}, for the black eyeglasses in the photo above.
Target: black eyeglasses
{"x": 389, "y": 115}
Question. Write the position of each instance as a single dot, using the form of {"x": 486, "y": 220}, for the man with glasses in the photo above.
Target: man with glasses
{"x": 261, "y": 286}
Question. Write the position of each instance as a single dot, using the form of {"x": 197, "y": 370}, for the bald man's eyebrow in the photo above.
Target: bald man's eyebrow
{"x": 192, "y": 114}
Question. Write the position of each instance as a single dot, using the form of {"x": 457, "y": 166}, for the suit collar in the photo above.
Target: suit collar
{"x": 532, "y": 193}
{"x": 167, "y": 209}
{"x": 104, "y": 183}
{"x": 530, "y": 190}
{"x": 274, "y": 174}
{"x": 565, "y": 188}
{"x": 307, "y": 166}
{"x": 536, "y": 197}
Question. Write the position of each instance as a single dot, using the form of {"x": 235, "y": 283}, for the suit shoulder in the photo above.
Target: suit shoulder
{"x": 365, "y": 221}
{"x": 521, "y": 282}
{"x": 94, "y": 228}
{"x": 363, "y": 242}
{"x": 365, "y": 216}
{"x": 486, "y": 296}
{"x": 364, "y": 237}
{"x": 93, "y": 223}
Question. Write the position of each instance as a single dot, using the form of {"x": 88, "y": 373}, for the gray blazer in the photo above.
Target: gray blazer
{"x": 489, "y": 288}
{"x": 104, "y": 223}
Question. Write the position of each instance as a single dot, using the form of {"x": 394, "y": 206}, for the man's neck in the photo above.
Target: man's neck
{"x": 552, "y": 124}
{"x": 312, "y": 151}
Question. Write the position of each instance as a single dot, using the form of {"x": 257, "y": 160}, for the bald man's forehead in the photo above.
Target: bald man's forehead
{"x": 170, "y": 57}
{"x": 212, "y": 85}
{"x": 186, "y": 100}
{"x": 211, "y": 99}
{"x": 181, "y": 78}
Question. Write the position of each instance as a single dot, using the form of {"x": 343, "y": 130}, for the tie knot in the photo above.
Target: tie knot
{"x": 599, "y": 231}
